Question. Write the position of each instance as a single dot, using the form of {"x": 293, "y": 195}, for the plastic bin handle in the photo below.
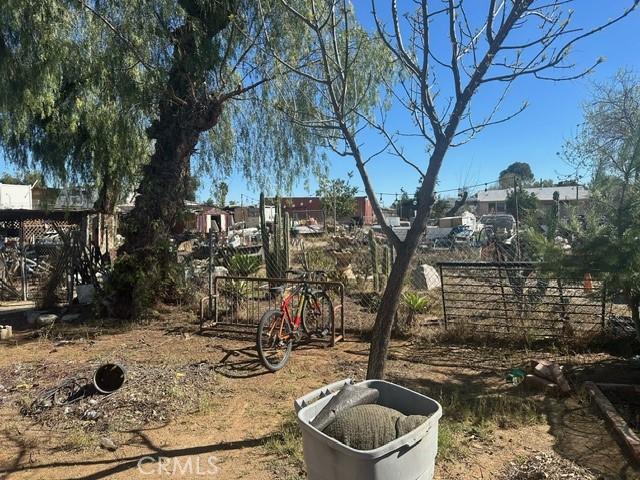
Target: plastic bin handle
{"x": 319, "y": 393}
{"x": 414, "y": 437}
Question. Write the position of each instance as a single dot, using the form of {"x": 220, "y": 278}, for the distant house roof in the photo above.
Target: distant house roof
{"x": 210, "y": 210}
{"x": 542, "y": 193}
{"x": 76, "y": 198}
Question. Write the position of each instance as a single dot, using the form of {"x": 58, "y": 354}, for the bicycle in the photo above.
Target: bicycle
{"x": 278, "y": 329}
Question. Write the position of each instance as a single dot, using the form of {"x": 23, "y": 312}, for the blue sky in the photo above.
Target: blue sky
{"x": 535, "y": 136}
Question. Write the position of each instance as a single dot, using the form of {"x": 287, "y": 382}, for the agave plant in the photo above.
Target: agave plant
{"x": 413, "y": 304}
{"x": 244, "y": 265}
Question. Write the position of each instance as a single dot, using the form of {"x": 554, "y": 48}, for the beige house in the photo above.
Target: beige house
{"x": 494, "y": 201}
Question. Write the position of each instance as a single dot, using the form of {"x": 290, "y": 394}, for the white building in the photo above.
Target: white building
{"x": 15, "y": 197}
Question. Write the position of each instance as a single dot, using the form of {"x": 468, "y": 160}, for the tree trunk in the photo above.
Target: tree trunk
{"x": 383, "y": 326}
{"x": 184, "y": 113}
{"x": 163, "y": 187}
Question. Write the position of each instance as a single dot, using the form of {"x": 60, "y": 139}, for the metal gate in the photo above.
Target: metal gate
{"x": 241, "y": 301}
{"x": 518, "y": 298}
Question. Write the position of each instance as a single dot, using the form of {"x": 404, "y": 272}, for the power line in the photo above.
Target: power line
{"x": 465, "y": 187}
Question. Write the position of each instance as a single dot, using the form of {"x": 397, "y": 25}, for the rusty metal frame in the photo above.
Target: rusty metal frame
{"x": 481, "y": 294}
{"x": 337, "y": 331}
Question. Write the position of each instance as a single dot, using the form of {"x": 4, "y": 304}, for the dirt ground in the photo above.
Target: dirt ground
{"x": 218, "y": 414}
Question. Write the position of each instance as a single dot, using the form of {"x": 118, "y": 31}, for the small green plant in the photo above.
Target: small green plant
{"x": 412, "y": 304}
{"x": 244, "y": 265}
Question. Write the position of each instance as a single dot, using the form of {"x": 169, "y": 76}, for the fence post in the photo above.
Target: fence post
{"x": 444, "y": 303}
{"x": 504, "y": 297}
{"x": 23, "y": 269}
{"x": 210, "y": 271}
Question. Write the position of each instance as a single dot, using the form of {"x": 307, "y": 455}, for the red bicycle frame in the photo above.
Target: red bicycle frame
{"x": 284, "y": 308}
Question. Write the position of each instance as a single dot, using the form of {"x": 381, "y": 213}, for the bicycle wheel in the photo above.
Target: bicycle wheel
{"x": 317, "y": 316}
{"x": 274, "y": 340}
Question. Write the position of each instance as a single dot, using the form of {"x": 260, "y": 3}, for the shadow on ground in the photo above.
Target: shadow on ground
{"x": 113, "y": 466}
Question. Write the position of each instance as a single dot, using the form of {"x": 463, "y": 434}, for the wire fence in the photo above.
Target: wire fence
{"x": 39, "y": 261}
{"x": 495, "y": 284}
{"x": 242, "y": 301}
{"x": 517, "y": 299}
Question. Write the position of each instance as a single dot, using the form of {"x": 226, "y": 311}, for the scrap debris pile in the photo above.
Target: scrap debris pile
{"x": 150, "y": 395}
{"x": 541, "y": 375}
{"x": 545, "y": 466}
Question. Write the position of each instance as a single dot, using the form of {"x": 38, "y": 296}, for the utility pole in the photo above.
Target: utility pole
{"x": 515, "y": 194}
{"x": 335, "y": 217}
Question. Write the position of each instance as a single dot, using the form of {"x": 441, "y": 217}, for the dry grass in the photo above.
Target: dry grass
{"x": 287, "y": 446}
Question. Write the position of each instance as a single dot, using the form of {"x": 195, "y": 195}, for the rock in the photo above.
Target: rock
{"x": 108, "y": 444}
{"x": 6, "y": 332}
{"x": 93, "y": 415}
{"x": 46, "y": 319}
{"x": 187, "y": 246}
{"x": 70, "y": 318}
{"x": 425, "y": 277}
{"x": 347, "y": 273}
{"x": 220, "y": 271}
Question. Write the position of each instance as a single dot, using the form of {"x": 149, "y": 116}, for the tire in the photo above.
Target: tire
{"x": 274, "y": 354}
{"x": 314, "y": 322}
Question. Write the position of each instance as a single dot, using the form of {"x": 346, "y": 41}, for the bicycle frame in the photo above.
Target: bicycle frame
{"x": 303, "y": 292}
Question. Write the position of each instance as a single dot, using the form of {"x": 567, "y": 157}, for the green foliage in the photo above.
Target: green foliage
{"x": 337, "y": 195}
{"x": 276, "y": 245}
{"x": 606, "y": 241}
{"x": 137, "y": 282}
{"x": 412, "y": 304}
{"x": 244, "y": 265}
{"x": 543, "y": 182}
{"x": 81, "y": 83}
{"x": 415, "y": 303}
{"x": 26, "y": 178}
{"x": 521, "y": 171}
{"x": 405, "y": 206}
{"x": 375, "y": 260}
{"x": 220, "y": 191}
{"x": 522, "y": 205}
{"x": 439, "y": 208}
{"x": 318, "y": 259}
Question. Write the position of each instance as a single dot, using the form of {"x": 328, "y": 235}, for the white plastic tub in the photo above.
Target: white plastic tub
{"x": 410, "y": 457}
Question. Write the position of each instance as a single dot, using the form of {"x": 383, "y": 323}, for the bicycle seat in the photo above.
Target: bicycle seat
{"x": 279, "y": 289}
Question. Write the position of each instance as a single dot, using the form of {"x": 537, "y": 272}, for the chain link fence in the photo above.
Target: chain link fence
{"x": 361, "y": 260}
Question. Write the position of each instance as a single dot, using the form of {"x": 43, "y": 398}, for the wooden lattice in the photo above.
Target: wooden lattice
{"x": 35, "y": 230}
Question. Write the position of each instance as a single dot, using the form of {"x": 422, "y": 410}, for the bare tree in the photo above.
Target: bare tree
{"x": 435, "y": 83}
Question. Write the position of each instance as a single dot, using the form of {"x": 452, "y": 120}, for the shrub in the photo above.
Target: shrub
{"x": 412, "y": 305}
{"x": 139, "y": 280}
{"x": 244, "y": 265}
